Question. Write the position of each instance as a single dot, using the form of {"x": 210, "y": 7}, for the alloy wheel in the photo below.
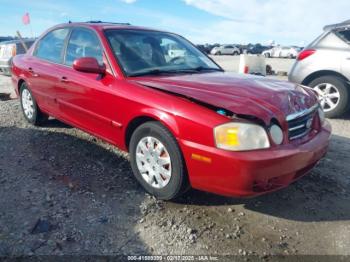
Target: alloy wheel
{"x": 329, "y": 96}
{"x": 27, "y": 103}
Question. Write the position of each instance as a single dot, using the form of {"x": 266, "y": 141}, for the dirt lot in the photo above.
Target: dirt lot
{"x": 65, "y": 192}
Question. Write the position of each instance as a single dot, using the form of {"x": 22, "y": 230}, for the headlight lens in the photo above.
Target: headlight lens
{"x": 276, "y": 134}
{"x": 240, "y": 137}
{"x": 321, "y": 115}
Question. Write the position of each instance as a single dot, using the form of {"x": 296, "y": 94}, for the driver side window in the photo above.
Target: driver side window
{"x": 83, "y": 43}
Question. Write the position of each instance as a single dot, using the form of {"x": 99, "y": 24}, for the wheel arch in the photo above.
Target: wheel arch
{"x": 20, "y": 82}
{"x": 150, "y": 115}
{"x": 321, "y": 73}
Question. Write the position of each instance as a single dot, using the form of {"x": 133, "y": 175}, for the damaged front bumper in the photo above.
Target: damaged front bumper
{"x": 252, "y": 173}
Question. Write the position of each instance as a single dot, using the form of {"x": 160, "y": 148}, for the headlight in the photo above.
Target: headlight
{"x": 240, "y": 137}
{"x": 276, "y": 134}
{"x": 321, "y": 115}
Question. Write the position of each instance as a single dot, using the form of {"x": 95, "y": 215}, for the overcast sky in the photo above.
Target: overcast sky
{"x": 201, "y": 21}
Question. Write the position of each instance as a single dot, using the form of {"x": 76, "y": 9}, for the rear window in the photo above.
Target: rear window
{"x": 344, "y": 34}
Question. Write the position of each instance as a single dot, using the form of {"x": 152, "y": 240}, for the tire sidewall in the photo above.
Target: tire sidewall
{"x": 157, "y": 131}
{"x": 343, "y": 89}
{"x": 35, "y": 107}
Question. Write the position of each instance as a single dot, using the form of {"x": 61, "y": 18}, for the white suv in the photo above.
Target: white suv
{"x": 282, "y": 52}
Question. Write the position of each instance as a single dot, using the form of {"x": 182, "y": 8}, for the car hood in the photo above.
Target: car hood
{"x": 260, "y": 97}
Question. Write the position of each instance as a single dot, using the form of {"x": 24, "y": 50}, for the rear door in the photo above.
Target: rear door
{"x": 344, "y": 34}
{"x": 86, "y": 99}
{"x": 42, "y": 68}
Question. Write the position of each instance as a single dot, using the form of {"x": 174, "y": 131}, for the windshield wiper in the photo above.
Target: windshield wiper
{"x": 175, "y": 71}
{"x": 202, "y": 68}
{"x": 154, "y": 72}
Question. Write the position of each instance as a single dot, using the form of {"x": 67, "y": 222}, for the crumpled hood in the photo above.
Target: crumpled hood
{"x": 261, "y": 97}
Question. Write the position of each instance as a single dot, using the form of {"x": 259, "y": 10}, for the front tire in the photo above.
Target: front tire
{"x": 333, "y": 95}
{"x": 30, "y": 108}
{"x": 157, "y": 162}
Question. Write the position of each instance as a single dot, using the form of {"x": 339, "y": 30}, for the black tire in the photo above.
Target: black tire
{"x": 178, "y": 183}
{"x": 344, "y": 94}
{"x": 267, "y": 55}
{"x": 38, "y": 117}
{"x": 218, "y": 53}
{"x": 235, "y": 53}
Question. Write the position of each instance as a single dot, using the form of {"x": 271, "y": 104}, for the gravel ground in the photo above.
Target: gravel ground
{"x": 65, "y": 192}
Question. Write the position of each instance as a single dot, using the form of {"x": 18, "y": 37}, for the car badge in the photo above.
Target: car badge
{"x": 309, "y": 123}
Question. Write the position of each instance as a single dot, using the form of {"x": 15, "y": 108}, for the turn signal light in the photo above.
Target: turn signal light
{"x": 228, "y": 136}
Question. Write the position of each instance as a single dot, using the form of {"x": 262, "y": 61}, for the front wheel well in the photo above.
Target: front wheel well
{"x": 321, "y": 73}
{"x": 135, "y": 123}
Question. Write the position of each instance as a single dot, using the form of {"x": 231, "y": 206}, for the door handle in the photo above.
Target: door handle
{"x": 64, "y": 79}
{"x": 31, "y": 71}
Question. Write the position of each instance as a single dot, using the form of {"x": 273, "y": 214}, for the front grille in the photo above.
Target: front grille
{"x": 300, "y": 124}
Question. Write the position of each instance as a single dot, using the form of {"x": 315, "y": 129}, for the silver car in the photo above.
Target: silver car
{"x": 324, "y": 65}
{"x": 225, "y": 50}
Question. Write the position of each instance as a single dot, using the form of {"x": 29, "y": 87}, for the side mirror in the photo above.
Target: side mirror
{"x": 88, "y": 65}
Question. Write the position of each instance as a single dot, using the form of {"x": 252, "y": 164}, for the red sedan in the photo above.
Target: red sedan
{"x": 184, "y": 121}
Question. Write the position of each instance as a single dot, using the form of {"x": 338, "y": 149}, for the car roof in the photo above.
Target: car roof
{"x": 344, "y": 24}
{"x": 101, "y": 25}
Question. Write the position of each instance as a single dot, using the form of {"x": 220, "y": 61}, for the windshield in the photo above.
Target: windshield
{"x": 141, "y": 52}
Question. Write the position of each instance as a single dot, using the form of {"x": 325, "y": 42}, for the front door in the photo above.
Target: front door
{"x": 86, "y": 99}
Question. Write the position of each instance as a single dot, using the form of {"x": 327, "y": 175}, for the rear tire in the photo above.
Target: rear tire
{"x": 336, "y": 85}
{"x": 30, "y": 108}
{"x": 164, "y": 181}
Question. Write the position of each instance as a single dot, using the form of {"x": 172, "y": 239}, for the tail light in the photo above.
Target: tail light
{"x": 246, "y": 69}
{"x": 305, "y": 53}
